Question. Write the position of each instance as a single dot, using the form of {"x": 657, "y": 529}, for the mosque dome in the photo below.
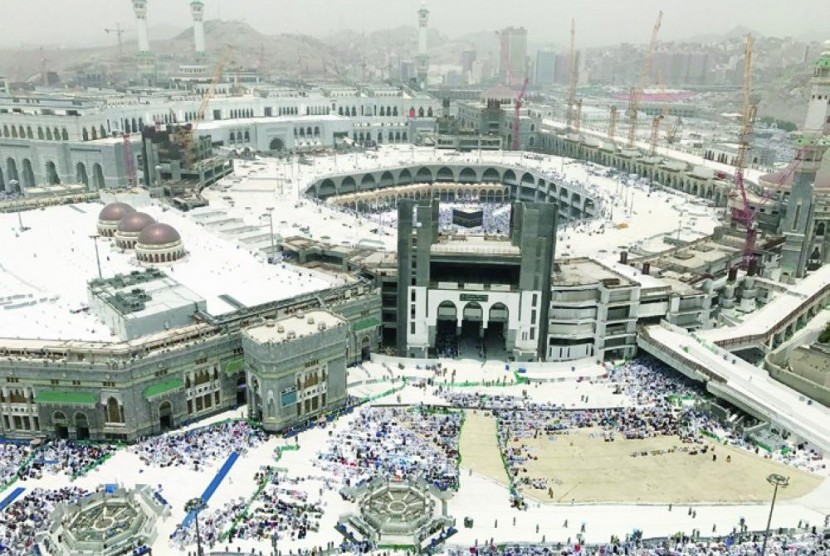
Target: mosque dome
{"x": 135, "y": 222}
{"x": 158, "y": 234}
{"x": 114, "y": 212}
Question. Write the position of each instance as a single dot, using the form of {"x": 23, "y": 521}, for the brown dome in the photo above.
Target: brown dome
{"x": 158, "y": 234}
{"x": 135, "y": 222}
{"x": 114, "y": 212}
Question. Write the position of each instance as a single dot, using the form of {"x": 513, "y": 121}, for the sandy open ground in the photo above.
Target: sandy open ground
{"x": 584, "y": 469}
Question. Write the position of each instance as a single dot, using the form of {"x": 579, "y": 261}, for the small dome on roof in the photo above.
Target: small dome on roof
{"x": 135, "y": 222}
{"x": 158, "y": 234}
{"x": 114, "y": 212}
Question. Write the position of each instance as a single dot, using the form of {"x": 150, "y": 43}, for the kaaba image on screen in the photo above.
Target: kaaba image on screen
{"x": 467, "y": 218}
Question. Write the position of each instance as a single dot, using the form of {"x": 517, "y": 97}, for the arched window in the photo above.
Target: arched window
{"x": 48, "y": 134}
{"x": 247, "y": 137}
{"x": 29, "y": 132}
{"x": 14, "y": 132}
{"x": 94, "y": 133}
{"x": 395, "y": 111}
{"x": 21, "y": 132}
{"x": 5, "y": 131}
{"x": 84, "y": 134}
{"x": 382, "y": 111}
{"x": 40, "y": 133}
{"x": 317, "y": 131}
{"x": 429, "y": 112}
{"x": 57, "y": 134}
{"x": 65, "y": 134}
{"x": 102, "y": 134}
{"x": 233, "y": 138}
{"x": 340, "y": 111}
{"x": 115, "y": 413}
{"x": 421, "y": 112}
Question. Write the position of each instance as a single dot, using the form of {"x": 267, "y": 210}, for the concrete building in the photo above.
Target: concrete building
{"x": 422, "y": 60}
{"x": 485, "y": 290}
{"x": 295, "y": 368}
{"x": 545, "y": 73}
{"x": 55, "y": 138}
{"x": 513, "y": 50}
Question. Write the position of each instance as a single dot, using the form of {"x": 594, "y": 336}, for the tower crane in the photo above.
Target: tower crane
{"x": 516, "y": 116}
{"x": 746, "y": 215}
{"x": 578, "y": 117}
{"x": 118, "y": 32}
{"x": 612, "y": 125}
{"x": 634, "y": 98}
{"x": 655, "y": 122}
{"x": 185, "y": 135}
{"x": 572, "y": 80}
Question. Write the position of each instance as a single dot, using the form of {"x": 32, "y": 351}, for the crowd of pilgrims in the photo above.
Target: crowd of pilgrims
{"x": 283, "y": 507}
{"x": 786, "y": 544}
{"x": 196, "y": 447}
{"x": 495, "y": 218}
{"x": 396, "y": 443}
{"x": 25, "y": 517}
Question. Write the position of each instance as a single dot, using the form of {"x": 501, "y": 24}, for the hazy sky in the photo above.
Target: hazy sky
{"x": 74, "y": 22}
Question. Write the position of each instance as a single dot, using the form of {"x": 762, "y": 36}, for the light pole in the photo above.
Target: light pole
{"x": 94, "y": 238}
{"x": 270, "y": 215}
{"x": 776, "y": 481}
{"x": 196, "y": 505}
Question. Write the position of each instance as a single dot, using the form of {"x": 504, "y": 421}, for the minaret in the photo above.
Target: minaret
{"x": 801, "y": 219}
{"x": 140, "y": 9}
{"x": 818, "y": 109}
{"x": 422, "y": 62}
{"x": 197, "y": 8}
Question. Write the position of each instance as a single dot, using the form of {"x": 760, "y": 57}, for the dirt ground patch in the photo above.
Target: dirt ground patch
{"x": 478, "y": 446}
{"x": 585, "y": 468}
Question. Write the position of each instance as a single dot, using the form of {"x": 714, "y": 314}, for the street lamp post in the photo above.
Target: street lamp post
{"x": 270, "y": 215}
{"x": 196, "y": 505}
{"x": 94, "y": 238}
{"x": 776, "y": 481}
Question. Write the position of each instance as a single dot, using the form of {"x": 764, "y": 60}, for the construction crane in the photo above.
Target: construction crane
{"x": 746, "y": 215}
{"x": 612, "y": 125}
{"x": 655, "y": 130}
{"x": 516, "y": 115}
{"x": 634, "y": 98}
{"x": 578, "y": 117}
{"x": 118, "y": 33}
{"x": 187, "y": 135}
{"x": 572, "y": 80}
{"x": 129, "y": 162}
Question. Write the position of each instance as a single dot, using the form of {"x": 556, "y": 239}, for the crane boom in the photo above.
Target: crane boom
{"x": 572, "y": 78}
{"x": 189, "y": 135}
{"x": 634, "y": 100}
{"x": 612, "y": 124}
{"x": 749, "y": 109}
{"x": 516, "y": 116}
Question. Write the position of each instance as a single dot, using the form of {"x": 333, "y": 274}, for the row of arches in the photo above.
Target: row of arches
{"x": 449, "y": 193}
{"x": 385, "y": 111}
{"x": 307, "y": 131}
{"x": 523, "y": 185}
{"x": 239, "y": 137}
{"x": 242, "y": 113}
{"x": 16, "y": 177}
{"x": 391, "y": 137}
{"x": 655, "y": 171}
{"x": 43, "y": 134}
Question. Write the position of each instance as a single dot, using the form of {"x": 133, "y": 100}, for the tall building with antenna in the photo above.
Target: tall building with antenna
{"x": 422, "y": 64}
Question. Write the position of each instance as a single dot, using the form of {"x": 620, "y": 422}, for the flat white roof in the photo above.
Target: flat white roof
{"x": 50, "y": 263}
{"x": 300, "y": 325}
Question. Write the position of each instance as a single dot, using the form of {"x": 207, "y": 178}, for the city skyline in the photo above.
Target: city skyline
{"x": 597, "y": 21}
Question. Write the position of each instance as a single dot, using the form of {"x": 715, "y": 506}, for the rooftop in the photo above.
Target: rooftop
{"x": 44, "y": 271}
{"x": 293, "y": 327}
{"x": 577, "y": 272}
